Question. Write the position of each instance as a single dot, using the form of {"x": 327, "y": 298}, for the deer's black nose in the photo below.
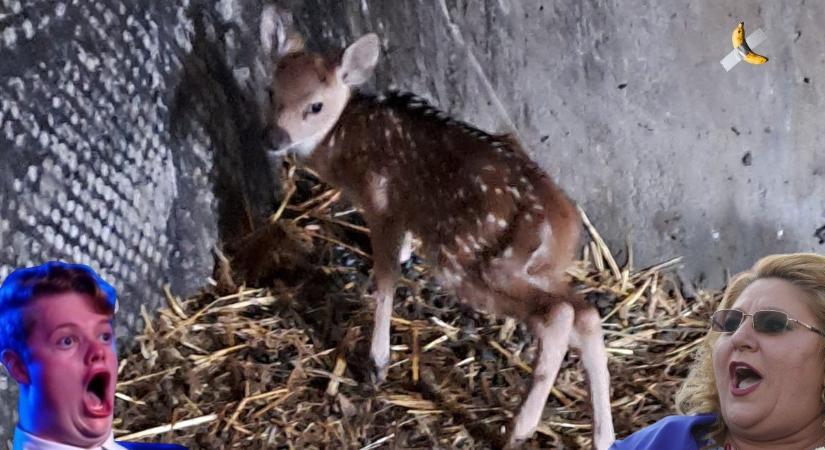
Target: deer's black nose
{"x": 275, "y": 138}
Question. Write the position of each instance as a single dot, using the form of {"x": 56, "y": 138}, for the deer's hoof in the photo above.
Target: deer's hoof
{"x": 378, "y": 374}
{"x": 380, "y": 365}
{"x": 515, "y": 443}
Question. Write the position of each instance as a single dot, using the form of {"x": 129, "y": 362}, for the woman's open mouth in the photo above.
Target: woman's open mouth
{"x": 96, "y": 399}
{"x": 744, "y": 379}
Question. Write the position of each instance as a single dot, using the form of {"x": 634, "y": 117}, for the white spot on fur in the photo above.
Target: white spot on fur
{"x": 378, "y": 192}
{"x": 406, "y": 247}
{"x": 502, "y": 223}
{"x": 450, "y": 278}
{"x": 473, "y": 242}
{"x": 499, "y": 191}
{"x": 491, "y": 218}
{"x": 508, "y": 252}
{"x": 483, "y": 187}
{"x": 539, "y": 257}
{"x": 446, "y": 252}
{"x": 450, "y": 256}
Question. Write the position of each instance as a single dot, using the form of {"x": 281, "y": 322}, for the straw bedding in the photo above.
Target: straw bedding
{"x": 273, "y": 352}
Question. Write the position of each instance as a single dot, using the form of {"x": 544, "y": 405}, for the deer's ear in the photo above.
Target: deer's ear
{"x": 294, "y": 43}
{"x": 276, "y": 33}
{"x": 359, "y": 60}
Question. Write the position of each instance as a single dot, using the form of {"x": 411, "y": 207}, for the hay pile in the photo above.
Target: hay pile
{"x": 286, "y": 365}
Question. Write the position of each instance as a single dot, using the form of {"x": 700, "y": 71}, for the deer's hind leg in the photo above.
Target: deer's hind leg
{"x": 587, "y": 338}
{"x": 553, "y": 332}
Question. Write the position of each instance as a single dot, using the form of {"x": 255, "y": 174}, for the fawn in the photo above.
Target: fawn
{"x": 497, "y": 229}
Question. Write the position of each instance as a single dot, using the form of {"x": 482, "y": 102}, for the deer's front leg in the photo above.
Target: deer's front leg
{"x": 380, "y": 345}
{"x": 385, "y": 249}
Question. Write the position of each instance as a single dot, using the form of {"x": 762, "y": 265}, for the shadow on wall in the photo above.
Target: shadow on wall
{"x": 210, "y": 96}
{"x": 221, "y": 95}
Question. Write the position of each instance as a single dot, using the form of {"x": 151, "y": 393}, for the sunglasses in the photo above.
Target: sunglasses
{"x": 765, "y": 321}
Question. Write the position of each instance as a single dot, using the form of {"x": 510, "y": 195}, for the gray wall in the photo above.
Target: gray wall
{"x": 128, "y": 130}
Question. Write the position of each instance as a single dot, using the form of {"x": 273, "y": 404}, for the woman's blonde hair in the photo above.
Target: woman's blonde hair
{"x": 804, "y": 270}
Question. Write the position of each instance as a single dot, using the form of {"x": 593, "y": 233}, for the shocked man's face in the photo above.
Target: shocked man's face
{"x": 71, "y": 370}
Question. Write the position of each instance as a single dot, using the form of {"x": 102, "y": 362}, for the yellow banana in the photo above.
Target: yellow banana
{"x": 741, "y": 46}
{"x": 738, "y": 37}
{"x": 754, "y": 58}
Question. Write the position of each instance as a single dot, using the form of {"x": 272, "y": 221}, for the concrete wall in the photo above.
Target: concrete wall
{"x": 128, "y": 130}
{"x": 129, "y": 141}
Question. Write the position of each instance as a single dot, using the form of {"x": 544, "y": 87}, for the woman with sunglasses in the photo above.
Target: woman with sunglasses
{"x": 759, "y": 378}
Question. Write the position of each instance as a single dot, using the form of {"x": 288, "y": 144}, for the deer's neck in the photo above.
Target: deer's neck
{"x": 343, "y": 156}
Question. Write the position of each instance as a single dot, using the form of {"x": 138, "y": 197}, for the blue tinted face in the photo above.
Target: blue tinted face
{"x": 72, "y": 371}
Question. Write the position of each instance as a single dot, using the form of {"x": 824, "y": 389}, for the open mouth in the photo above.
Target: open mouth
{"x": 96, "y": 400}
{"x": 744, "y": 378}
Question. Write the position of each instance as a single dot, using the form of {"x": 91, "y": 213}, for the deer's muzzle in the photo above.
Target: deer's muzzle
{"x": 276, "y": 139}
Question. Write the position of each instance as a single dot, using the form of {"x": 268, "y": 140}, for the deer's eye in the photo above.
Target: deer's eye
{"x": 315, "y": 108}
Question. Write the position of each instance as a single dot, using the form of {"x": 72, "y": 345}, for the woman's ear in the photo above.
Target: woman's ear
{"x": 15, "y": 366}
